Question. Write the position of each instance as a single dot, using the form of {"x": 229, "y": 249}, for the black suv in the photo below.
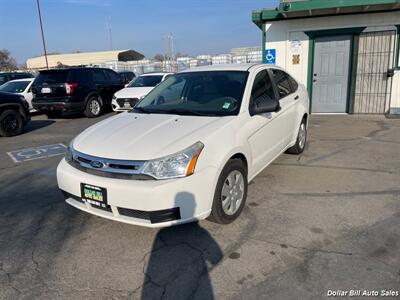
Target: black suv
{"x": 75, "y": 89}
{"x": 7, "y": 76}
{"x": 14, "y": 114}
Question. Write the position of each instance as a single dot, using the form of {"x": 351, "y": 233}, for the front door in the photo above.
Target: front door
{"x": 331, "y": 74}
{"x": 266, "y": 130}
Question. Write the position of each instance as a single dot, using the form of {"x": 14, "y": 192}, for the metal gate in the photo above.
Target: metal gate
{"x": 375, "y": 58}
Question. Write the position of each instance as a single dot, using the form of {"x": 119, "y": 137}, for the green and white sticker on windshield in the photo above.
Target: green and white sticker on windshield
{"x": 226, "y": 105}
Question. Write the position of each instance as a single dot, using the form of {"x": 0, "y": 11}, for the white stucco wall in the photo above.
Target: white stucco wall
{"x": 281, "y": 34}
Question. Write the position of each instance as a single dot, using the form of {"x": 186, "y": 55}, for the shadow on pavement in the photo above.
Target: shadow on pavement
{"x": 37, "y": 124}
{"x": 179, "y": 262}
{"x": 35, "y": 224}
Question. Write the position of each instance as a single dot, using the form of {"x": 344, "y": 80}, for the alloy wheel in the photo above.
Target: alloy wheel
{"x": 232, "y": 193}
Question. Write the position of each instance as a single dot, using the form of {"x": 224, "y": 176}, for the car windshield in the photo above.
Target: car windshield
{"x": 146, "y": 81}
{"x": 208, "y": 93}
{"x": 14, "y": 86}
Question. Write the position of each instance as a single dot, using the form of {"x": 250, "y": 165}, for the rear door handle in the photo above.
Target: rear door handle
{"x": 297, "y": 97}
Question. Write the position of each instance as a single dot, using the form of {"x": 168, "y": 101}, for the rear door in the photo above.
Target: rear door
{"x": 115, "y": 82}
{"x": 50, "y": 84}
{"x": 100, "y": 79}
{"x": 287, "y": 100}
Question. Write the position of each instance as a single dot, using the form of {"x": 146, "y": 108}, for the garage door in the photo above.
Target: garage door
{"x": 331, "y": 73}
{"x": 375, "y": 58}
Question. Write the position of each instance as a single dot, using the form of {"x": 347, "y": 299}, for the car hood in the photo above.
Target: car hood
{"x": 133, "y": 92}
{"x": 135, "y": 136}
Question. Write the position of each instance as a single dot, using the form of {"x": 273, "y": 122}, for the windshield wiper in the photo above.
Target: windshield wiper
{"x": 142, "y": 110}
{"x": 181, "y": 111}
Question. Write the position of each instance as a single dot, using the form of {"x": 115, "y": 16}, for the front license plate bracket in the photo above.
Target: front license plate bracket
{"x": 94, "y": 195}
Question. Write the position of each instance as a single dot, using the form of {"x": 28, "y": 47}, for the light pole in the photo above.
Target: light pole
{"x": 41, "y": 30}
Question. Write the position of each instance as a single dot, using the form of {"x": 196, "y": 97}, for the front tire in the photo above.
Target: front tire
{"x": 301, "y": 140}
{"x": 11, "y": 123}
{"x": 93, "y": 107}
{"x": 230, "y": 194}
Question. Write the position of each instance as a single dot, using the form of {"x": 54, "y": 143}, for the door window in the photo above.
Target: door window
{"x": 99, "y": 76}
{"x": 282, "y": 83}
{"x": 114, "y": 77}
{"x": 262, "y": 88}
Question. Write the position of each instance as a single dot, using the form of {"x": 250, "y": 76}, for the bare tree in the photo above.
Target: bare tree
{"x": 7, "y": 62}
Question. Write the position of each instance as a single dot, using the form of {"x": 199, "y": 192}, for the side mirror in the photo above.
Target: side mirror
{"x": 262, "y": 105}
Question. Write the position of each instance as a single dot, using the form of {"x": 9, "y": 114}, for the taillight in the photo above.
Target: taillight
{"x": 70, "y": 87}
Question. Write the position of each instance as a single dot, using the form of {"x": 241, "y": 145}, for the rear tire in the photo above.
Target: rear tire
{"x": 11, "y": 123}
{"x": 301, "y": 140}
{"x": 93, "y": 108}
{"x": 230, "y": 194}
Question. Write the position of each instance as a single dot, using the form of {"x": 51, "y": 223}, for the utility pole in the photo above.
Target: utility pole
{"x": 110, "y": 33}
{"x": 41, "y": 30}
{"x": 169, "y": 51}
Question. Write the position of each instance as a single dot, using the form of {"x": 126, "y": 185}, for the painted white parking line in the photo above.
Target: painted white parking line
{"x": 37, "y": 152}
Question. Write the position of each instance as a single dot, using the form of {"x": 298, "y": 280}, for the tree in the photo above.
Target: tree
{"x": 7, "y": 62}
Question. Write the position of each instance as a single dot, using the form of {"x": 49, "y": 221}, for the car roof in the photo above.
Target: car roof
{"x": 22, "y": 79}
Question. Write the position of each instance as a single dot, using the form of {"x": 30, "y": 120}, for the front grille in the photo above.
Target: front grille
{"x": 107, "y": 208}
{"x": 156, "y": 216}
{"x": 105, "y": 167}
{"x": 133, "y": 213}
{"x": 131, "y": 101}
{"x": 111, "y": 175}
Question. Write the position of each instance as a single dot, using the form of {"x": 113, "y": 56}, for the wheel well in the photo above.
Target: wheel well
{"x": 94, "y": 93}
{"x": 5, "y": 107}
{"x": 241, "y": 157}
{"x": 305, "y": 118}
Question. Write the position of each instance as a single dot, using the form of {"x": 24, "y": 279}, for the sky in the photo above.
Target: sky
{"x": 197, "y": 26}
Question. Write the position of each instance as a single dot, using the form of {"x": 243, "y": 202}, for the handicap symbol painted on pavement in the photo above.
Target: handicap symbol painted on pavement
{"x": 37, "y": 153}
{"x": 270, "y": 56}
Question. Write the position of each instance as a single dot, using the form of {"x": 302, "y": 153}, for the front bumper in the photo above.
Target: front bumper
{"x": 150, "y": 203}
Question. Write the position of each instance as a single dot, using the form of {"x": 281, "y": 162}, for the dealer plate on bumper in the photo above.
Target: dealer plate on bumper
{"x": 94, "y": 195}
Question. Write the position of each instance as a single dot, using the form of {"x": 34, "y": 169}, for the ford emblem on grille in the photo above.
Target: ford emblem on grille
{"x": 97, "y": 164}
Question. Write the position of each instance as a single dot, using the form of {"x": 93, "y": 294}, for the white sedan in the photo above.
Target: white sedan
{"x": 21, "y": 87}
{"x": 134, "y": 91}
{"x": 188, "y": 150}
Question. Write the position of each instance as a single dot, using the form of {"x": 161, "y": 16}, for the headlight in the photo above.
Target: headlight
{"x": 113, "y": 97}
{"x": 68, "y": 154}
{"x": 177, "y": 165}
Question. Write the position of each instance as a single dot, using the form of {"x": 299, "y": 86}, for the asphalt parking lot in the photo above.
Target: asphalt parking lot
{"x": 326, "y": 220}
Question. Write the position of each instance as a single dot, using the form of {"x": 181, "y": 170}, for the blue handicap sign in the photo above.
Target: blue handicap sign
{"x": 270, "y": 56}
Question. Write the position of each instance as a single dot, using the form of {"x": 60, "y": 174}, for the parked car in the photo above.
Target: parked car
{"x": 127, "y": 98}
{"x": 7, "y": 76}
{"x": 127, "y": 76}
{"x": 188, "y": 150}
{"x": 89, "y": 90}
{"x": 21, "y": 87}
{"x": 14, "y": 114}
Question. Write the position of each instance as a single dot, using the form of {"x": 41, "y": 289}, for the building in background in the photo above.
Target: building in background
{"x": 83, "y": 58}
{"x": 345, "y": 52}
{"x": 130, "y": 60}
